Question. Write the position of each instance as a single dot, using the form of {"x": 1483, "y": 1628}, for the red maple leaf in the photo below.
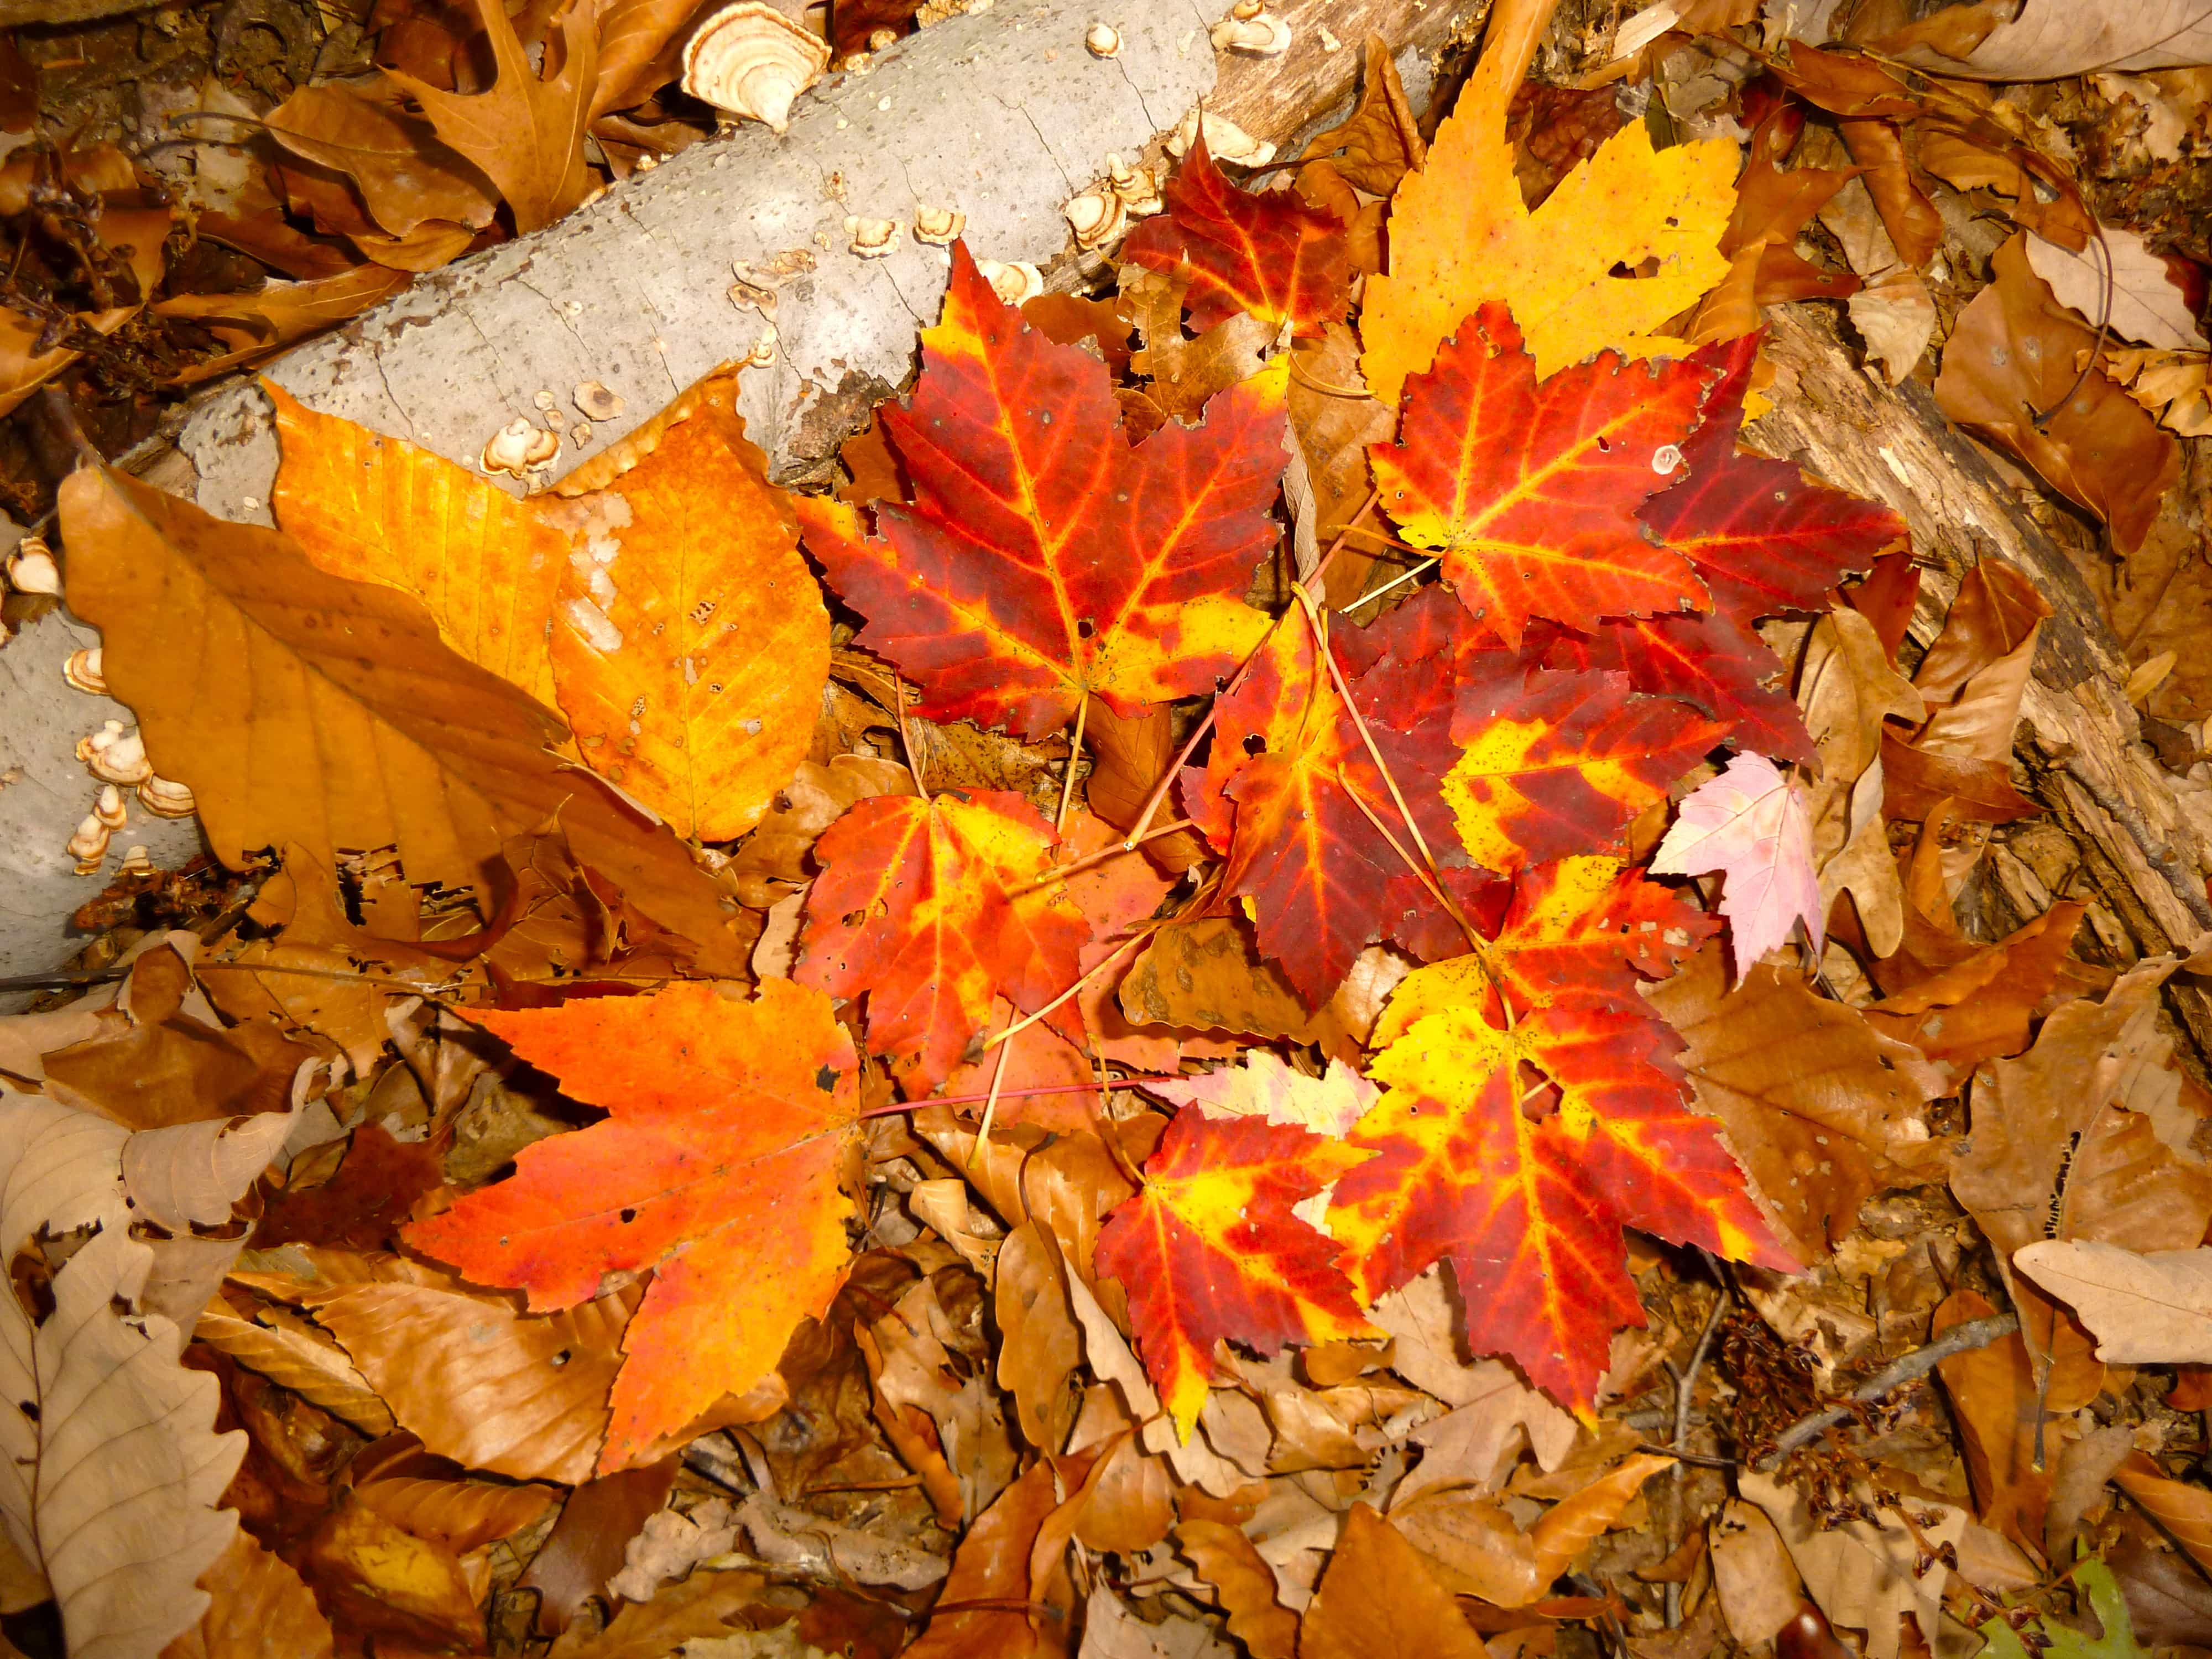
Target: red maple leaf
{"x": 1710, "y": 660}
{"x": 931, "y": 909}
{"x": 1765, "y": 539}
{"x": 1043, "y": 557}
{"x": 1269, "y": 254}
{"x": 1208, "y": 1249}
{"x": 717, "y": 1167}
{"x": 1529, "y": 490}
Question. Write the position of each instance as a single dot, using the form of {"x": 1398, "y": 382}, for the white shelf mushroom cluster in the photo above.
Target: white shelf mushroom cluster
{"x": 751, "y": 60}
{"x": 116, "y": 756}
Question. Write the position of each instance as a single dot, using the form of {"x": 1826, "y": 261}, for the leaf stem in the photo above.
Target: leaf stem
{"x": 1113, "y": 851}
{"x": 1096, "y": 968}
{"x": 1016, "y": 1094}
{"x": 990, "y": 1105}
{"x": 906, "y": 736}
{"x": 1395, "y": 581}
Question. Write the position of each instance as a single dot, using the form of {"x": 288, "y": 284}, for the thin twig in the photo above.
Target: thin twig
{"x": 1098, "y": 968}
{"x": 1959, "y": 1339}
{"x": 906, "y": 738}
{"x": 897, "y": 1108}
{"x": 1686, "y": 1386}
{"x": 1113, "y": 851}
{"x": 990, "y": 1105}
{"x": 1395, "y": 581}
{"x": 1374, "y": 753}
{"x": 1074, "y": 754}
{"x": 1436, "y": 889}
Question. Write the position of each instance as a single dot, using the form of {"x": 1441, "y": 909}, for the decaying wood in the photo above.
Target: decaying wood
{"x": 2145, "y": 835}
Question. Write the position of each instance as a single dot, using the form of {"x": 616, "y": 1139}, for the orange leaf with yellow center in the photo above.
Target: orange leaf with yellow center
{"x": 1561, "y": 762}
{"x": 1268, "y": 254}
{"x": 1527, "y": 1199}
{"x": 1209, "y": 1249}
{"x": 930, "y": 909}
{"x": 717, "y": 1167}
{"x": 690, "y": 645}
{"x": 1044, "y": 556}
{"x": 377, "y": 509}
{"x": 1529, "y": 490}
{"x": 1460, "y": 236}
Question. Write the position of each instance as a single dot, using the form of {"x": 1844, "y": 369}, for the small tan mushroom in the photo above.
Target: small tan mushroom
{"x": 545, "y": 403}
{"x": 518, "y": 446}
{"x": 83, "y": 672}
{"x": 1261, "y": 35}
{"x": 1097, "y": 216}
{"x": 764, "y": 351}
{"x": 1017, "y": 282}
{"x": 1224, "y": 140}
{"x": 596, "y": 403}
{"x": 165, "y": 799}
{"x": 879, "y": 40}
{"x": 136, "y": 861}
{"x": 31, "y": 568}
{"x": 88, "y": 846}
{"x": 872, "y": 238}
{"x": 1139, "y": 187}
{"x": 109, "y": 808}
{"x": 115, "y": 755}
{"x": 939, "y": 227}
{"x": 1105, "y": 41}
{"x": 751, "y": 60}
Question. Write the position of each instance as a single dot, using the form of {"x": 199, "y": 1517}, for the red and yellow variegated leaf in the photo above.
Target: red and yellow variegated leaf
{"x": 717, "y": 1166}
{"x": 1764, "y": 539}
{"x": 1306, "y": 799}
{"x": 1560, "y": 763}
{"x": 1577, "y": 930}
{"x": 928, "y": 909}
{"x": 1529, "y": 491}
{"x": 1043, "y": 557}
{"x": 1527, "y": 1202}
{"x": 1710, "y": 660}
{"x": 1270, "y": 254}
{"x": 1208, "y": 1249}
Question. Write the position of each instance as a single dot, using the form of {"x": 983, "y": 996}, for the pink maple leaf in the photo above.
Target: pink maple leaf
{"x": 1749, "y": 825}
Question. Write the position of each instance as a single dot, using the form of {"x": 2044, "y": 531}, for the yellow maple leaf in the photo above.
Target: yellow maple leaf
{"x": 1460, "y": 236}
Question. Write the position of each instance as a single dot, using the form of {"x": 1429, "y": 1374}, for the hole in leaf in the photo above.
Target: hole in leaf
{"x": 629, "y": 1215}
{"x": 1255, "y": 745}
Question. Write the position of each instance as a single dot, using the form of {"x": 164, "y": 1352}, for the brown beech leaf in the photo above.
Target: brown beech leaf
{"x": 376, "y": 1577}
{"x": 1244, "y": 1583}
{"x": 2183, "y": 1510}
{"x": 278, "y": 753}
{"x": 2009, "y": 362}
{"x": 462, "y": 1514}
{"x": 1377, "y": 1597}
{"x": 1995, "y": 1403}
{"x": 1209, "y": 974}
{"x": 404, "y": 174}
{"x": 587, "y": 1544}
{"x": 706, "y": 1606}
{"x": 995, "y": 1584}
{"x": 258, "y": 1608}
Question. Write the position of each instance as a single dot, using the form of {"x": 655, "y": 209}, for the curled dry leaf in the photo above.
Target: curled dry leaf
{"x": 257, "y": 1606}
{"x": 2008, "y": 366}
{"x": 1244, "y": 1583}
{"x": 1377, "y": 1596}
{"x": 1996, "y": 1405}
{"x": 2184, "y": 1510}
{"x": 2050, "y": 39}
{"x": 288, "y": 1352}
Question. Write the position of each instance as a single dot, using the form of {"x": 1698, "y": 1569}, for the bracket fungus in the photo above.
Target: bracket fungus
{"x": 109, "y": 810}
{"x": 114, "y": 755}
{"x": 752, "y": 60}
{"x": 518, "y": 446}
{"x": 88, "y": 846}
{"x": 595, "y": 402}
{"x": 872, "y": 238}
{"x": 31, "y": 569}
{"x": 1105, "y": 41}
{"x": 1016, "y": 282}
{"x": 938, "y": 227}
{"x": 83, "y": 670}
{"x": 1251, "y": 31}
{"x": 165, "y": 799}
{"x": 1097, "y": 217}
{"x": 1224, "y": 140}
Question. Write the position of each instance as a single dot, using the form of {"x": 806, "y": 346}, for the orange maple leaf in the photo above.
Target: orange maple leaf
{"x": 717, "y": 1166}
{"x": 930, "y": 909}
{"x": 1209, "y": 1249}
{"x": 1043, "y": 557}
{"x": 1271, "y": 254}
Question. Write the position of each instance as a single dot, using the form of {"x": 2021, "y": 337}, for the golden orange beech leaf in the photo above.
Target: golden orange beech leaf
{"x": 1044, "y": 556}
{"x": 690, "y": 644}
{"x": 340, "y": 719}
{"x": 719, "y": 1166}
{"x": 1460, "y": 236}
{"x": 658, "y": 596}
{"x": 1209, "y": 1249}
{"x": 374, "y": 508}
{"x": 929, "y": 909}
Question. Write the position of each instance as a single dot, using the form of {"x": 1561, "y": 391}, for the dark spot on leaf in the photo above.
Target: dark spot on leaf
{"x": 826, "y": 1080}
{"x": 629, "y": 1215}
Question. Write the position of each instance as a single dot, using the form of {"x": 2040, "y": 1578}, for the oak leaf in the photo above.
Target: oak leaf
{"x": 689, "y": 644}
{"x": 931, "y": 909}
{"x": 344, "y": 720}
{"x": 1044, "y": 557}
{"x": 1460, "y": 237}
{"x": 525, "y": 133}
{"x": 719, "y": 1164}
{"x": 1749, "y": 826}
{"x": 1269, "y": 255}
{"x": 1529, "y": 490}
{"x": 1209, "y": 1249}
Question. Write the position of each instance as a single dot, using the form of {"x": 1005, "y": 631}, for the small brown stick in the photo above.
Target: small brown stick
{"x": 1436, "y": 891}
{"x": 906, "y": 738}
{"x": 1685, "y": 1387}
{"x": 1959, "y": 1339}
{"x": 1074, "y": 754}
